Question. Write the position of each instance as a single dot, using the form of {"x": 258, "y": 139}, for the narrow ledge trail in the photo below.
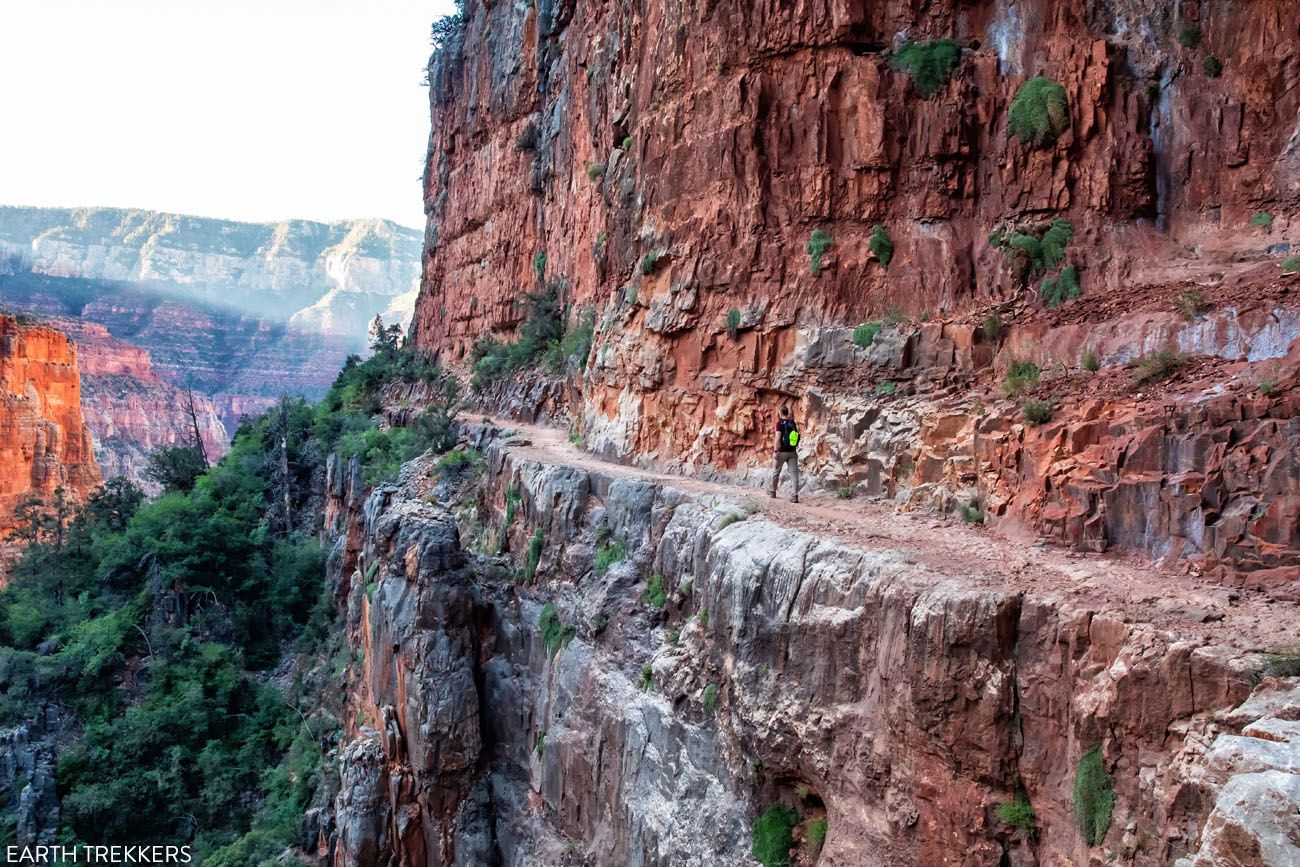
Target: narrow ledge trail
{"x": 975, "y": 556}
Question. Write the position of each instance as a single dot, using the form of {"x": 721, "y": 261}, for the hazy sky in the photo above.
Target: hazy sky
{"x": 246, "y": 109}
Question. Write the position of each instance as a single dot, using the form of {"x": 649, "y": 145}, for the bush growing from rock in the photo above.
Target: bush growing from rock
{"x": 1093, "y": 796}
{"x": 733, "y": 323}
{"x": 655, "y": 596}
{"x": 1040, "y": 112}
{"x": 1291, "y": 266}
{"x": 1158, "y": 365}
{"x": 1189, "y": 35}
{"x": 1019, "y": 814}
{"x": 1021, "y": 377}
{"x": 1055, "y": 291}
{"x": 1190, "y": 304}
{"x": 1037, "y": 412}
{"x": 648, "y": 262}
{"x": 710, "y": 697}
{"x": 865, "y": 334}
{"x": 1263, "y": 219}
{"x": 555, "y": 632}
{"x": 818, "y": 243}
{"x": 773, "y": 836}
{"x": 608, "y": 555}
{"x": 881, "y": 245}
{"x": 1213, "y": 66}
{"x": 929, "y": 64}
{"x": 816, "y": 832}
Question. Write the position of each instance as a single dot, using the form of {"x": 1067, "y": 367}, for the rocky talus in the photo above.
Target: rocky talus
{"x": 668, "y": 165}
{"x": 648, "y": 665}
{"x": 44, "y": 443}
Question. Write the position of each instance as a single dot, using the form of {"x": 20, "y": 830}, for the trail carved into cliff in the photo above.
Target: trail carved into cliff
{"x": 981, "y": 556}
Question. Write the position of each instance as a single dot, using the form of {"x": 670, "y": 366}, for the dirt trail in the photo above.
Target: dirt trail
{"x": 980, "y": 556}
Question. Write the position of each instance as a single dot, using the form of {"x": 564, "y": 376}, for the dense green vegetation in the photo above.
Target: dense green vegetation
{"x": 1055, "y": 291}
{"x": 881, "y": 245}
{"x": 818, "y": 243}
{"x": 555, "y": 632}
{"x": 733, "y": 323}
{"x": 543, "y": 339}
{"x": 1040, "y": 112}
{"x": 1019, "y": 814}
{"x": 1213, "y": 66}
{"x": 930, "y": 64}
{"x": 1093, "y": 796}
{"x": 865, "y": 334}
{"x": 773, "y": 836}
{"x": 154, "y": 627}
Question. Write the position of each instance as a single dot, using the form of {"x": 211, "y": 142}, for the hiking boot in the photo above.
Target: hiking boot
{"x": 772, "y": 494}
{"x": 795, "y": 498}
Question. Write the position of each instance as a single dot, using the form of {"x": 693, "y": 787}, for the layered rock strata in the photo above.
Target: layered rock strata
{"x": 547, "y": 708}
{"x": 668, "y": 164}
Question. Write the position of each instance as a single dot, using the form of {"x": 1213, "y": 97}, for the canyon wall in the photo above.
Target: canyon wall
{"x": 131, "y": 411}
{"x": 672, "y": 161}
{"x": 543, "y": 705}
{"x": 44, "y": 444}
{"x": 327, "y": 278}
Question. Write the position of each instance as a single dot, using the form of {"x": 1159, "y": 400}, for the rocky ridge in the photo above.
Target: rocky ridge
{"x": 547, "y": 708}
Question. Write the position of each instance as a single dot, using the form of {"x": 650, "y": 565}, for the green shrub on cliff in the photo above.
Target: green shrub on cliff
{"x": 609, "y": 554}
{"x": 1055, "y": 291}
{"x": 816, "y": 831}
{"x": 1094, "y": 799}
{"x": 542, "y": 329}
{"x": 929, "y": 64}
{"x": 773, "y": 836}
{"x": 709, "y": 698}
{"x": 1189, "y": 35}
{"x": 1291, "y": 266}
{"x": 818, "y": 243}
{"x": 536, "y": 544}
{"x": 1021, "y": 377}
{"x": 1213, "y": 66}
{"x": 655, "y": 596}
{"x": 1157, "y": 366}
{"x": 555, "y": 632}
{"x": 1019, "y": 814}
{"x": 1263, "y": 219}
{"x": 865, "y": 334}
{"x": 881, "y": 245}
{"x": 1037, "y": 411}
{"x": 1040, "y": 112}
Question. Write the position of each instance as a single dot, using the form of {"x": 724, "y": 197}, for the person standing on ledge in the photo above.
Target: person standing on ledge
{"x": 787, "y": 440}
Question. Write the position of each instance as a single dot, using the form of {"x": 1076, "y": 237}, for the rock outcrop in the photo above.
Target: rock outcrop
{"x": 44, "y": 443}
{"x": 570, "y": 705}
{"x": 667, "y": 166}
{"x": 132, "y": 411}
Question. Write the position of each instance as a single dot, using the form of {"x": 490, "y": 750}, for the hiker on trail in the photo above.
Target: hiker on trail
{"x": 787, "y": 440}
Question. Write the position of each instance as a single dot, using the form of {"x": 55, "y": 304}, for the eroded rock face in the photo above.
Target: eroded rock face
{"x": 330, "y": 279}
{"x": 44, "y": 443}
{"x": 683, "y": 155}
{"x": 900, "y": 698}
{"x": 131, "y": 411}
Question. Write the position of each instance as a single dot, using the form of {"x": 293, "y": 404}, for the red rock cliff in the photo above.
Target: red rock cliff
{"x": 44, "y": 444}
{"x": 672, "y": 161}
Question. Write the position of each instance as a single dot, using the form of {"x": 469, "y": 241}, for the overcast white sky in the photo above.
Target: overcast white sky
{"x": 245, "y": 109}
